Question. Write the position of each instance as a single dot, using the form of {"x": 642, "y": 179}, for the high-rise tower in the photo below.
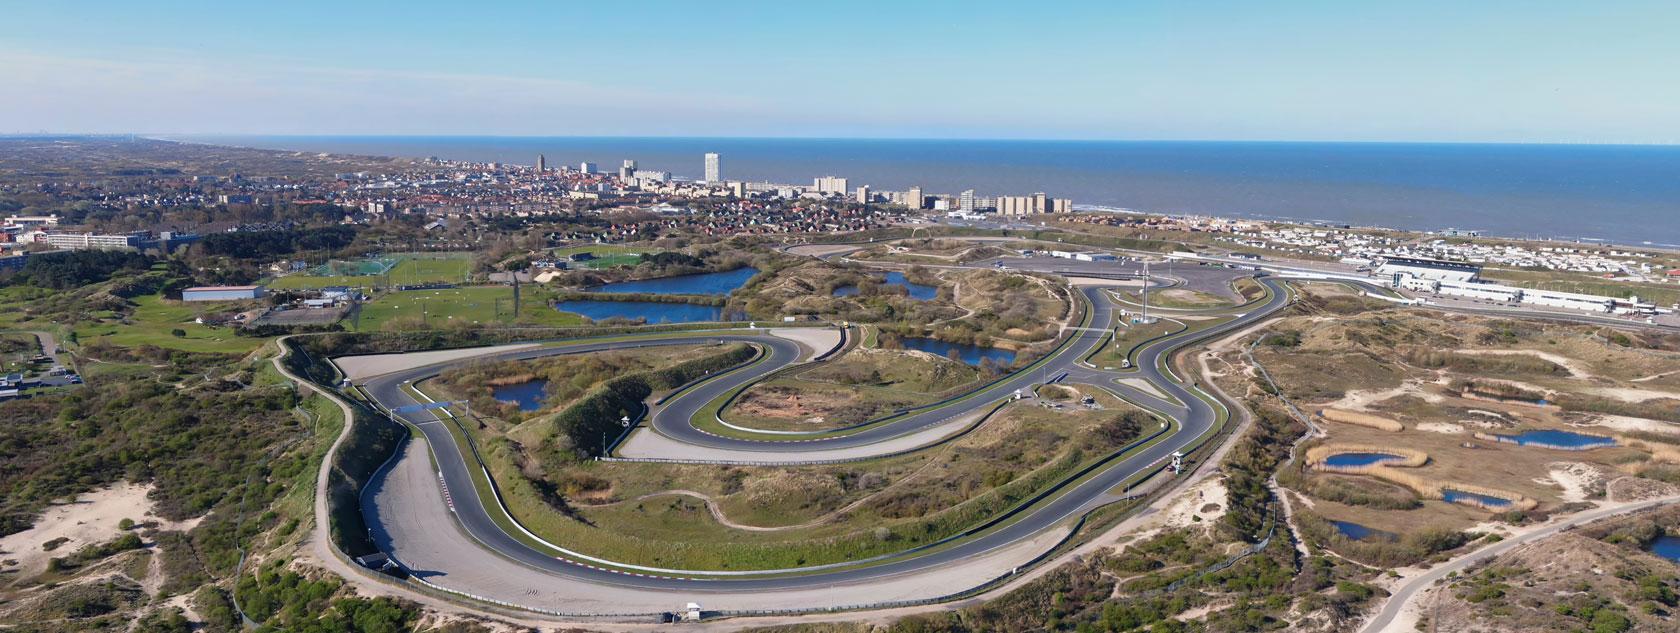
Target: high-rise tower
{"x": 714, "y": 174}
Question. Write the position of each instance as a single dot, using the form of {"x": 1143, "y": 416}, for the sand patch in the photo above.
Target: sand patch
{"x": 90, "y": 519}
{"x": 1441, "y": 427}
{"x": 1205, "y": 501}
{"x": 1625, "y": 423}
{"x": 1579, "y": 481}
{"x": 1362, "y": 399}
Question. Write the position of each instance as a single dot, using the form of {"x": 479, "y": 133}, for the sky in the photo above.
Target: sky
{"x": 1485, "y": 71}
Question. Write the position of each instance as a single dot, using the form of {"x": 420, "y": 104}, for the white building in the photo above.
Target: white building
{"x": 1394, "y": 267}
{"x": 86, "y": 241}
{"x": 831, "y": 184}
{"x": 714, "y": 174}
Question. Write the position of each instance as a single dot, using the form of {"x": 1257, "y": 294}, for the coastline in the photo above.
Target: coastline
{"x": 1602, "y": 195}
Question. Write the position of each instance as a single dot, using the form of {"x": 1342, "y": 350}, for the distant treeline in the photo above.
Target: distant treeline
{"x": 72, "y": 269}
{"x": 271, "y": 244}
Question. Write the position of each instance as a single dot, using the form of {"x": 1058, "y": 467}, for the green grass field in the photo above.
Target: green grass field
{"x": 474, "y": 304}
{"x": 413, "y": 269}
{"x": 607, "y": 255}
{"x": 154, "y": 319}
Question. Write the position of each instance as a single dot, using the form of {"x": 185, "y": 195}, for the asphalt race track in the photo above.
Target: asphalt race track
{"x": 1192, "y": 422}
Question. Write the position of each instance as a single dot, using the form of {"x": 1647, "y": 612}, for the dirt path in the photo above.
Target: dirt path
{"x": 1656, "y": 376}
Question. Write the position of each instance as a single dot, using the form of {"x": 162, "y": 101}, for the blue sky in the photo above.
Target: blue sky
{"x": 1405, "y": 71}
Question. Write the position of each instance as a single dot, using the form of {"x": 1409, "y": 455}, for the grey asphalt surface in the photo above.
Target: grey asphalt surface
{"x": 473, "y": 513}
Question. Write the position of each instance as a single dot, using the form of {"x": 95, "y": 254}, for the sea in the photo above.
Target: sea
{"x": 1620, "y": 194}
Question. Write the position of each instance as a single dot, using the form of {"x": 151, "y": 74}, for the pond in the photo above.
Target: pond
{"x": 652, "y": 311}
{"x": 1360, "y": 459}
{"x": 1667, "y": 546}
{"x": 1359, "y": 532}
{"x": 721, "y": 283}
{"x": 1460, "y": 496}
{"x": 1560, "y": 439}
{"x": 528, "y": 395}
{"x": 919, "y": 292}
{"x": 971, "y": 354}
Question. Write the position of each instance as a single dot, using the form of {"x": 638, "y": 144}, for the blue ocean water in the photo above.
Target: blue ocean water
{"x": 1621, "y": 193}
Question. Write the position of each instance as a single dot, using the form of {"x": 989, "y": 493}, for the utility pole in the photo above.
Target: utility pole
{"x": 1145, "y": 292}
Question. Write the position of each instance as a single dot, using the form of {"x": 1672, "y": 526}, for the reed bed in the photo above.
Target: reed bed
{"x": 1408, "y": 457}
{"x": 1362, "y": 419}
{"x": 1424, "y": 487}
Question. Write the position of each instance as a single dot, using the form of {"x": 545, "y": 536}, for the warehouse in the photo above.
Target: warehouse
{"x": 223, "y": 293}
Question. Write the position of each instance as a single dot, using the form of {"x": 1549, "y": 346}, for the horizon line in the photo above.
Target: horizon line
{"x": 166, "y": 136}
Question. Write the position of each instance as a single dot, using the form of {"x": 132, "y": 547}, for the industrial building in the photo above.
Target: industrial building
{"x": 223, "y": 293}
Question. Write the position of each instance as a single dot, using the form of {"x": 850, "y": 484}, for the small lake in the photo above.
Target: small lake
{"x": 1360, "y": 459}
{"x": 528, "y": 395}
{"x": 1359, "y": 532}
{"x": 651, "y": 311}
{"x": 1458, "y": 496}
{"x": 1667, "y": 546}
{"x": 919, "y": 292}
{"x": 971, "y": 354}
{"x": 702, "y": 284}
{"x": 1563, "y": 439}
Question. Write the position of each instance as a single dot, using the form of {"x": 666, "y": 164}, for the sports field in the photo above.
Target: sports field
{"x": 410, "y": 269}
{"x": 441, "y": 308}
{"x": 606, "y": 255}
